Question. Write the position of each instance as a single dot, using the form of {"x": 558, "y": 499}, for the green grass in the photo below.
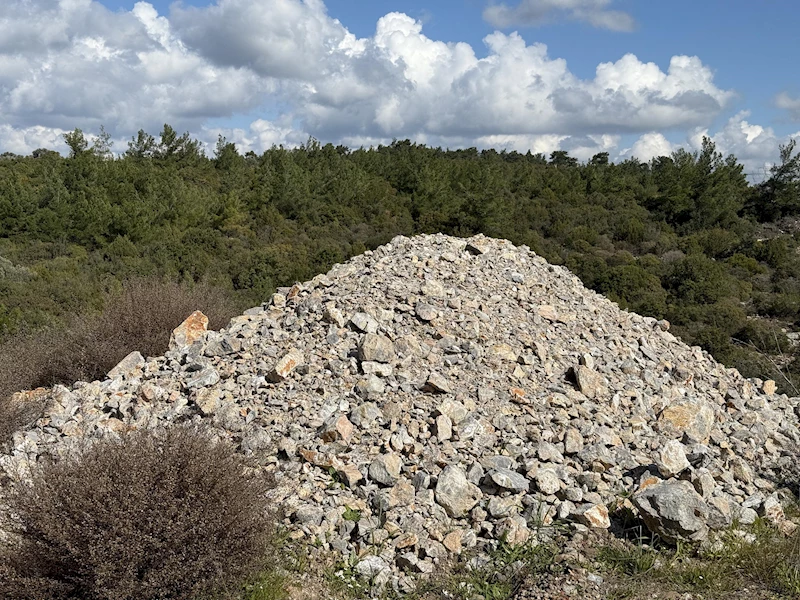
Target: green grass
{"x": 500, "y": 578}
{"x": 756, "y": 563}
{"x": 758, "y": 559}
{"x": 268, "y": 586}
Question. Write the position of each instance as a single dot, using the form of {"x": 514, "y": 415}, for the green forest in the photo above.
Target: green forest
{"x": 684, "y": 237}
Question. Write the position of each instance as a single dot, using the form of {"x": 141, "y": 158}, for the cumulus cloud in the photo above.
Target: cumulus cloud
{"x": 280, "y": 38}
{"x": 259, "y": 136}
{"x": 73, "y": 63}
{"x": 23, "y": 141}
{"x": 785, "y": 101}
{"x": 531, "y": 13}
{"x": 427, "y": 86}
{"x": 649, "y": 146}
{"x": 755, "y": 146}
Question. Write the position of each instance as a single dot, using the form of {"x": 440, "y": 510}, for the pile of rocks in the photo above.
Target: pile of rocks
{"x": 439, "y": 394}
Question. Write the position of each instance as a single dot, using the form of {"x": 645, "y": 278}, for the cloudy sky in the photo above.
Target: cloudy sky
{"x": 628, "y": 77}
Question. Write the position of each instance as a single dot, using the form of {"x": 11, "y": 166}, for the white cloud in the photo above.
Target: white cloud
{"x": 76, "y": 64}
{"x": 73, "y": 63}
{"x": 785, "y": 101}
{"x": 538, "y": 12}
{"x": 24, "y": 141}
{"x": 585, "y": 147}
{"x": 649, "y": 146}
{"x": 281, "y": 38}
{"x": 261, "y": 135}
{"x": 404, "y": 84}
{"x": 756, "y": 147}
{"x": 536, "y": 144}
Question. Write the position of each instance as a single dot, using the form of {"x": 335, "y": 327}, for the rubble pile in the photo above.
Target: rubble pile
{"x": 440, "y": 394}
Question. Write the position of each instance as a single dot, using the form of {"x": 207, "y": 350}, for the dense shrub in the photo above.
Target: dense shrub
{"x": 169, "y": 514}
{"x": 140, "y": 317}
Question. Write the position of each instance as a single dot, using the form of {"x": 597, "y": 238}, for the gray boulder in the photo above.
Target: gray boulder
{"x": 673, "y": 510}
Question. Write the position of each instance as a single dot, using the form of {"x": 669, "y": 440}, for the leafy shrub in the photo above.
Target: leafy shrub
{"x": 698, "y": 279}
{"x": 714, "y": 243}
{"x": 636, "y": 289}
{"x": 140, "y": 317}
{"x": 746, "y": 264}
{"x": 764, "y": 336}
{"x": 168, "y": 514}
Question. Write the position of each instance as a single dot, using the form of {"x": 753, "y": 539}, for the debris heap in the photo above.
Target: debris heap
{"x": 439, "y": 394}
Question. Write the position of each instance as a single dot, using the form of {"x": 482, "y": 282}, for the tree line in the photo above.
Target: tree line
{"x": 683, "y": 237}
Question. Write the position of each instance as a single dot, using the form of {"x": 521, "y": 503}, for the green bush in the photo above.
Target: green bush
{"x": 170, "y": 514}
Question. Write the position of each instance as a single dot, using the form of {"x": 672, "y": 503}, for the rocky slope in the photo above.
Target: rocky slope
{"x": 439, "y": 394}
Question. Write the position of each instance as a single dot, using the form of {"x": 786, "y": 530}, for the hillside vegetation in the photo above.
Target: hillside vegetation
{"x": 684, "y": 237}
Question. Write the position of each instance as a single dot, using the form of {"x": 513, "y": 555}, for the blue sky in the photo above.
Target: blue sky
{"x": 623, "y": 76}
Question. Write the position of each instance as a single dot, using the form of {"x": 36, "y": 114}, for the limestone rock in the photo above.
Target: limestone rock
{"x": 673, "y": 510}
{"x": 691, "y": 418}
{"x": 437, "y": 383}
{"x": 547, "y": 481}
{"x": 508, "y": 479}
{"x": 503, "y": 507}
{"x": 188, "y": 332}
{"x": 453, "y": 410}
{"x": 364, "y": 415}
{"x": 513, "y": 530}
{"x": 203, "y": 378}
{"x": 376, "y": 348}
{"x": 444, "y": 427}
{"x": 371, "y": 387}
{"x": 284, "y": 367}
{"x": 337, "y": 428}
{"x": 455, "y": 493}
{"x": 573, "y": 441}
{"x": 334, "y": 315}
{"x": 425, "y": 311}
{"x": 453, "y": 541}
{"x": 372, "y": 566}
{"x": 594, "y": 515}
{"x": 589, "y": 383}
{"x": 364, "y": 322}
{"x": 208, "y": 400}
{"x": 128, "y": 365}
{"x": 385, "y": 469}
{"x": 672, "y": 459}
{"x": 350, "y": 475}
{"x": 433, "y": 288}
{"x": 502, "y": 352}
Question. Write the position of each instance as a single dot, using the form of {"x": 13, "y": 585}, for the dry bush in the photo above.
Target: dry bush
{"x": 170, "y": 514}
{"x": 18, "y": 413}
{"x": 141, "y": 318}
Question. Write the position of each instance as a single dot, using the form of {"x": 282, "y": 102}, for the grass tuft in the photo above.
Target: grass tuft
{"x": 759, "y": 559}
